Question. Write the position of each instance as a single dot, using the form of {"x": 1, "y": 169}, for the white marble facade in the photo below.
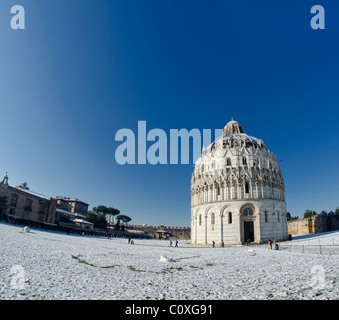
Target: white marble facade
{"x": 237, "y": 192}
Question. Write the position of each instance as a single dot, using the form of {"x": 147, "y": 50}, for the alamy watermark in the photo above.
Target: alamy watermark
{"x": 17, "y": 275}
{"x": 318, "y": 280}
{"x": 17, "y": 21}
{"x": 318, "y": 20}
{"x": 18, "y": 18}
{"x": 156, "y": 147}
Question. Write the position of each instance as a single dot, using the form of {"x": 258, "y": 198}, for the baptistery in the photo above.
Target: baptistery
{"x": 237, "y": 192}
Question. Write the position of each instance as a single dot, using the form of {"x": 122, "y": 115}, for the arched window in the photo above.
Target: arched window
{"x": 247, "y": 212}
{"x": 199, "y": 219}
{"x": 230, "y": 217}
{"x": 212, "y": 218}
{"x": 228, "y": 162}
{"x": 244, "y": 161}
{"x": 266, "y": 216}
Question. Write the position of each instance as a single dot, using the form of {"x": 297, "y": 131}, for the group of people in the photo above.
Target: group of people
{"x": 176, "y": 243}
{"x": 270, "y": 245}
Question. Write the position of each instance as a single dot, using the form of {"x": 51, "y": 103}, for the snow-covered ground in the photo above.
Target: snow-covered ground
{"x": 50, "y": 265}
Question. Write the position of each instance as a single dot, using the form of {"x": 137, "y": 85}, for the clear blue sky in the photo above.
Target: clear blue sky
{"x": 81, "y": 70}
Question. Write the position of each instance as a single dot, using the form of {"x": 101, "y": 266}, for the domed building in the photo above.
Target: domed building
{"x": 237, "y": 192}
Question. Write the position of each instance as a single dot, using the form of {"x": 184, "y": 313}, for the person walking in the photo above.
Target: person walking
{"x": 170, "y": 243}
{"x": 269, "y": 245}
{"x": 276, "y": 246}
{"x": 213, "y": 244}
{"x": 176, "y": 243}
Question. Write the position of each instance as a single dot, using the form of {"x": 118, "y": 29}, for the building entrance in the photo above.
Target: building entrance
{"x": 248, "y": 231}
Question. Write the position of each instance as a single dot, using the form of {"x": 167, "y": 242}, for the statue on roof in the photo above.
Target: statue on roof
{"x": 5, "y": 179}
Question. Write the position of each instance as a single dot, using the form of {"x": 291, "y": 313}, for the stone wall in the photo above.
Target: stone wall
{"x": 315, "y": 224}
{"x": 180, "y": 233}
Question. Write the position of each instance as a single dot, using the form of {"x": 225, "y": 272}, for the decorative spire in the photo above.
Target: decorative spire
{"x": 5, "y": 179}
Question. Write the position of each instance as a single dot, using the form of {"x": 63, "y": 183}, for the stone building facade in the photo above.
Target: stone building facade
{"x": 24, "y": 206}
{"x": 237, "y": 192}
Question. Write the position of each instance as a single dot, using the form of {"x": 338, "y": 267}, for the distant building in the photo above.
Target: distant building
{"x": 19, "y": 205}
{"x": 83, "y": 224}
{"x": 69, "y": 209}
{"x": 72, "y": 204}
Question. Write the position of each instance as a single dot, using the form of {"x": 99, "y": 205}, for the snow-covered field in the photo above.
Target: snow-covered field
{"x": 49, "y": 265}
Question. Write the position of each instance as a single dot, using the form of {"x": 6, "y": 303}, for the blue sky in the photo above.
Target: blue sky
{"x": 82, "y": 70}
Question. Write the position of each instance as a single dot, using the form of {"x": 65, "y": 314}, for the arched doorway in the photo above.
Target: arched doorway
{"x": 248, "y": 231}
{"x": 248, "y": 220}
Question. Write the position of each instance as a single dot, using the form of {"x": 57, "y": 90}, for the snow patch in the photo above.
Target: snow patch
{"x": 251, "y": 252}
{"x": 166, "y": 259}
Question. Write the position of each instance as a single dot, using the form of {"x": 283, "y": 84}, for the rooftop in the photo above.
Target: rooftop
{"x": 232, "y": 127}
{"x": 33, "y": 193}
{"x": 68, "y": 199}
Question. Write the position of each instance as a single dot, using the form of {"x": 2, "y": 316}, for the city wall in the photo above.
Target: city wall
{"x": 315, "y": 224}
{"x": 156, "y": 232}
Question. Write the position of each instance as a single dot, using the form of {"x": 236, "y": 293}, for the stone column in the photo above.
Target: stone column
{"x": 239, "y": 228}
{"x": 257, "y": 229}
{"x": 195, "y": 227}
{"x": 273, "y": 218}
{"x": 262, "y": 191}
{"x": 205, "y": 228}
{"x": 222, "y": 228}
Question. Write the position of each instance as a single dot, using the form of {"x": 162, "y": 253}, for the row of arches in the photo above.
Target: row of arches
{"x": 220, "y": 191}
{"x": 212, "y": 219}
{"x": 246, "y": 211}
{"x": 207, "y": 165}
{"x": 234, "y": 226}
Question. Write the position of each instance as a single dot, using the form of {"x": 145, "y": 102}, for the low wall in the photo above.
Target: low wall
{"x": 180, "y": 233}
